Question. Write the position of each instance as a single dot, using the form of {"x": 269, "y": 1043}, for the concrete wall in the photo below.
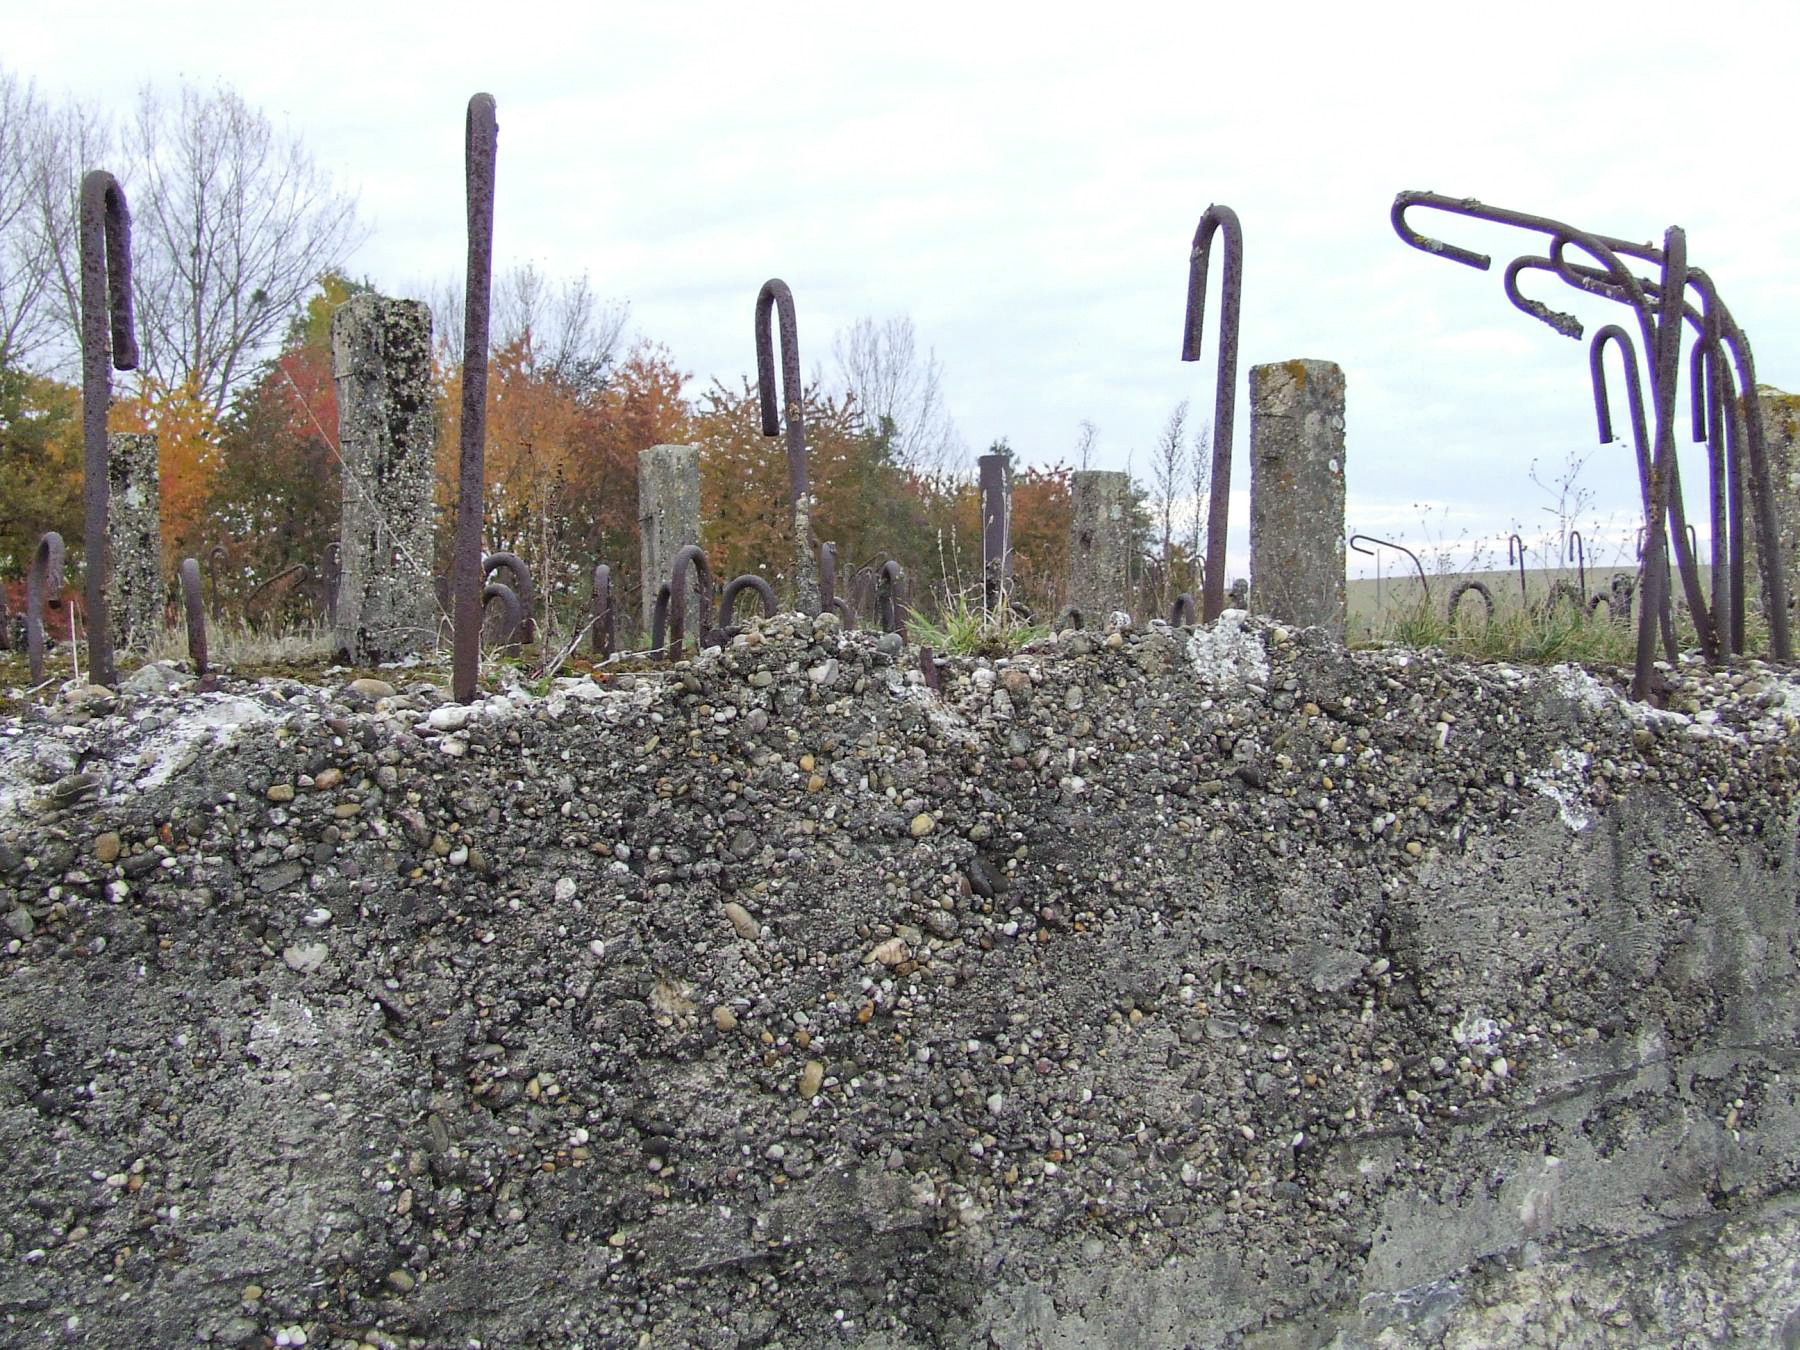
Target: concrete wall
{"x": 1224, "y": 988}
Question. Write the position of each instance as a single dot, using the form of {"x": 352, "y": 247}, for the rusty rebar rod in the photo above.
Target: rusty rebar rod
{"x": 1511, "y": 541}
{"x": 514, "y": 566}
{"x": 764, "y": 592}
{"x": 688, "y": 556}
{"x": 889, "y": 581}
{"x": 481, "y": 134}
{"x": 1398, "y": 548}
{"x": 601, "y": 631}
{"x": 512, "y": 612}
{"x": 1218, "y": 517}
{"x": 331, "y": 580}
{"x": 1661, "y": 308}
{"x": 1182, "y": 611}
{"x": 775, "y": 308}
{"x": 1574, "y": 544}
{"x": 196, "y": 614}
{"x": 43, "y": 589}
{"x": 105, "y": 244}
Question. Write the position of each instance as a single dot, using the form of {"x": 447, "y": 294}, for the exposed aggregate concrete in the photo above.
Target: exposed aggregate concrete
{"x": 1160, "y": 988}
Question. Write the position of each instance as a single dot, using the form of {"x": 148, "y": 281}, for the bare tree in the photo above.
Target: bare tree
{"x": 1084, "y": 444}
{"x": 1200, "y": 466}
{"x": 26, "y": 265}
{"x": 1168, "y": 473}
{"x": 232, "y": 227}
{"x": 575, "y": 337}
{"x": 900, "y": 393}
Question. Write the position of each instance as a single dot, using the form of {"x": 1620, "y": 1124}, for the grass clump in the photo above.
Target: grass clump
{"x": 965, "y": 626}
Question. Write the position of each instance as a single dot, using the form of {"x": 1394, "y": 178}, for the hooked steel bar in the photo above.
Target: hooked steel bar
{"x": 196, "y": 614}
{"x": 601, "y": 632}
{"x": 1217, "y": 217}
{"x": 105, "y": 245}
{"x": 480, "y": 137}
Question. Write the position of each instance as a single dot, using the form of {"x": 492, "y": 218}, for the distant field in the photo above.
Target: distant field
{"x": 1369, "y": 598}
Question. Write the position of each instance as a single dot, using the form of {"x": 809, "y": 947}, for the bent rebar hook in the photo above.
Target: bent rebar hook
{"x": 601, "y": 636}
{"x": 686, "y": 557}
{"x": 1511, "y": 541}
{"x": 775, "y": 296}
{"x": 43, "y": 581}
{"x": 512, "y": 613}
{"x": 1225, "y": 393}
{"x": 480, "y": 136}
{"x": 1575, "y": 545}
{"x": 736, "y": 587}
{"x": 888, "y": 582}
{"x": 196, "y": 614}
{"x": 105, "y": 243}
{"x": 514, "y": 565}
{"x": 1398, "y": 548}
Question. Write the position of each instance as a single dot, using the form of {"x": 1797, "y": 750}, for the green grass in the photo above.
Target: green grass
{"x": 964, "y": 627}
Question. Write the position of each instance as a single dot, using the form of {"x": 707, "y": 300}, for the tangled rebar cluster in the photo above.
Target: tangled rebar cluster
{"x": 1736, "y": 458}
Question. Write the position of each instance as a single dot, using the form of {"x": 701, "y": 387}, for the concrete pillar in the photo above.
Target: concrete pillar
{"x": 1297, "y": 493}
{"x": 381, "y": 360}
{"x": 134, "y": 536}
{"x": 668, "y": 517}
{"x": 1099, "y": 544}
{"x": 1781, "y": 438}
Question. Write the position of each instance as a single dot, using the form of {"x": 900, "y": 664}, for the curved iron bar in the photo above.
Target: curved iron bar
{"x": 1511, "y": 540}
{"x": 196, "y": 614}
{"x": 218, "y": 557}
{"x": 736, "y": 587}
{"x": 43, "y": 587}
{"x": 1708, "y": 414}
{"x": 776, "y": 296}
{"x": 688, "y": 556}
{"x": 1660, "y": 309}
{"x": 1071, "y": 618}
{"x": 846, "y": 613}
{"x": 1476, "y": 587}
{"x": 888, "y": 583}
{"x": 659, "y": 619}
{"x": 1183, "y": 606}
{"x": 1564, "y": 590}
{"x": 513, "y": 564}
{"x": 1575, "y": 545}
{"x": 512, "y": 613}
{"x": 1718, "y": 329}
{"x": 1684, "y": 556}
{"x": 929, "y": 668}
{"x": 481, "y": 133}
{"x": 600, "y": 635}
{"x": 305, "y": 573}
{"x": 827, "y": 576}
{"x": 105, "y": 245}
{"x": 1398, "y": 548}
{"x": 331, "y": 579}
{"x": 1217, "y": 218}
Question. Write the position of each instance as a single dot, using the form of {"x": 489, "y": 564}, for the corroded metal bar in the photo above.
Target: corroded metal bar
{"x": 888, "y": 584}
{"x": 1182, "y": 611}
{"x": 736, "y": 587}
{"x": 218, "y": 557}
{"x": 775, "y": 296}
{"x": 105, "y": 244}
{"x": 1418, "y": 566}
{"x": 601, "y": 632}
{"x": 827, "y": 576}
{"x": 1574, "y": 545}
{"x": 659, "y": 619}
{"x": 514, "y": 566}
{"x": 331, "y": 578}
{"x": 1634, "y": 397}
{"x": 196, "y": 614}
{"x": 1225, "y": 391}
{"x": 512, "y": 613}
{"x": 43, "y": 588}
{"x": 1472, "y": 587}
{"x": 1512, "y": 540}
{"x": 689, "y": 556}
{"x": 481, "y": 133}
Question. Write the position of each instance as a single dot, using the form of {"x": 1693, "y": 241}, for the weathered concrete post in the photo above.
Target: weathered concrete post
{"x": 668, "y": 518}
{"x": 134, "y": 535}
{"x": 1781, "y": 436}
{"x": 1099, "y": 544}
{"x": 381, "y": 360}
{"x": 996, "y": 527}
{"x": 1297, "y": 493}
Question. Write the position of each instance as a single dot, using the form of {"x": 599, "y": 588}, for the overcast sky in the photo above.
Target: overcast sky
{"x": 1024, "y": 182}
